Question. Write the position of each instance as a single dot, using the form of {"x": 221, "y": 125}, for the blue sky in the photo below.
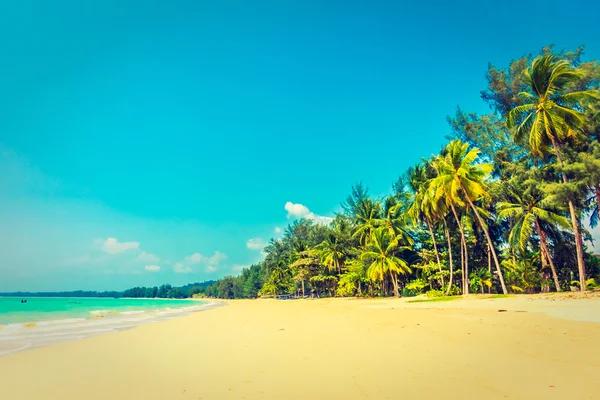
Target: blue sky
{"x": 145, "y": 134}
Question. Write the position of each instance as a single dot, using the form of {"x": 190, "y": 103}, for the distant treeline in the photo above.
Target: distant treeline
{"x": 165, "y": 291}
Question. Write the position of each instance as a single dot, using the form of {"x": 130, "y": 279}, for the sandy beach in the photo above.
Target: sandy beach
{"x": 540, "y": 347}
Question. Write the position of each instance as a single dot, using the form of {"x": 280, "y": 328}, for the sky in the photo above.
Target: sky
{"x": 146, "y": 142}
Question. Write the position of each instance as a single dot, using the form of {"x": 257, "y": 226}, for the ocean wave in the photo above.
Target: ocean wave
{"x": 99, "y": 313}
{"x": 132, "y": 312}
{"x": 60, "y": 321}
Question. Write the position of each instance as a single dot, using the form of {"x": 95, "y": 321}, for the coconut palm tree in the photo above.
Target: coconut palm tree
{"x": 529, "y": 211}
{"x": 550, "y": 116}
{"x": 305, "y": 266}
{"x": 394, "y": 221}
{"x": 480, "y": 278}
{"x": 332, "y": 251}
{"x": 367, "y": 217}
{"x": 420, "y": 209}
{"x": 461, "y": 178}
{"x": 381, "y": 252}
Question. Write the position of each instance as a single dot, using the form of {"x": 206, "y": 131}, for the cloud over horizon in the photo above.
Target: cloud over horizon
{"x": 185, "y": 266}
{"x": 113, "y": 246}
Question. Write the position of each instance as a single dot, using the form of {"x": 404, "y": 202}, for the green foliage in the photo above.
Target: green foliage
{"x": 434, "y": 299}
{"x": 434, "y": 293}
{"x": 417, "y": 285}
{"x": 347, "y": 285}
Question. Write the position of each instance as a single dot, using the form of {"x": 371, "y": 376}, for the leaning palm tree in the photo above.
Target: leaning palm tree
{"x": 461, "y": 178}
{"x": 550, "y": 116}
{"x": 528, "y": 213}
{"x": 381, "y": 251}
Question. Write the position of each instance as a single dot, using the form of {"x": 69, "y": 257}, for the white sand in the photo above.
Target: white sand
{"x": 331, "y": 349}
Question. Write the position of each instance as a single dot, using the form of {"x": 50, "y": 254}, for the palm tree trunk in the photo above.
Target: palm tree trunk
{"x": 395, "y": 283}
{"x": 489, "y": 257}
{"x": 302, "y": 287}
{"x": 546, "y": 251}
{"x": 463, "y": 253}
{"x": 574, "y": 222}
{"x": 449, "y": 256}
{"x": 489, "y": 240}
{"x": 437, "y": 254}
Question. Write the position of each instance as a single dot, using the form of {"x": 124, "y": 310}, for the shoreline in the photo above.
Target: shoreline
{"x": 18, "y": 337}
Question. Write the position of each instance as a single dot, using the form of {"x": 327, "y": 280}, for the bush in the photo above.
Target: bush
{"x": 408, "y": 292}
{"x": 434, "y": 293}
{"x": 417, "y": 285}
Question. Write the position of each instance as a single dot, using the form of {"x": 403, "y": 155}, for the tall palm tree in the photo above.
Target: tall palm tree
{"x": 549, "y": 117}
{"x": 367, "y": 217}
{"x": 529, "y": 212}
{"x": 381, "y": 251}
{"x": 420, "y": 209}
{"x": 394, "y": 221}
{"x": 461, "y": 178}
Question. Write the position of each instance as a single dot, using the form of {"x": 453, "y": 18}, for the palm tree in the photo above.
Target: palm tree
{"x": 420, "y": 209}
{"x": 305, "y": 266}
{"x": 549, "y": 117}
{"x": 367, "y": 218}
{"x": 480, "y": 278}
{"x": 394, "y": 222}
{"x": 529, "y": 211}
{"x": 460, "y": 178}
{"x": 332, "y": 251}
{"x": 380, "y": 251}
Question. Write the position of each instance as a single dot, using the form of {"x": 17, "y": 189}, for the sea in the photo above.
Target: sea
{"x": 27, "y": 323}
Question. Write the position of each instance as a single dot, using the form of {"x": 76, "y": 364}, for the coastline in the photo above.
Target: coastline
{"x": 18, "y": 337}
{"x": 327, "y": 349}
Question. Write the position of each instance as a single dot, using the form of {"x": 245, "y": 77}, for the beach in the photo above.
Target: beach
{"x": 521, "y": 347}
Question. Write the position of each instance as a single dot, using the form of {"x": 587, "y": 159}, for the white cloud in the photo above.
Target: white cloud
{"x": 182, "y": 269}
{"x": 210, "y": 268}
{"x": 277, "y": 230}
{"x": 152, "y": 268}
{"x": 113, "y": 246}
{"x": 147, "y": 257}
{"x": 256, "y": 244}
{"x": 297, "y": 210}
{"x": 217, "y": 258}
{"x": 239, "y": 268}
{"x": 194, "y": 258}
{"x": 320, "y": 219}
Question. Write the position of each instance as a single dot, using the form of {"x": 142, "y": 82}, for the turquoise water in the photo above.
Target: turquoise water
{"x": 37, "y": 309}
